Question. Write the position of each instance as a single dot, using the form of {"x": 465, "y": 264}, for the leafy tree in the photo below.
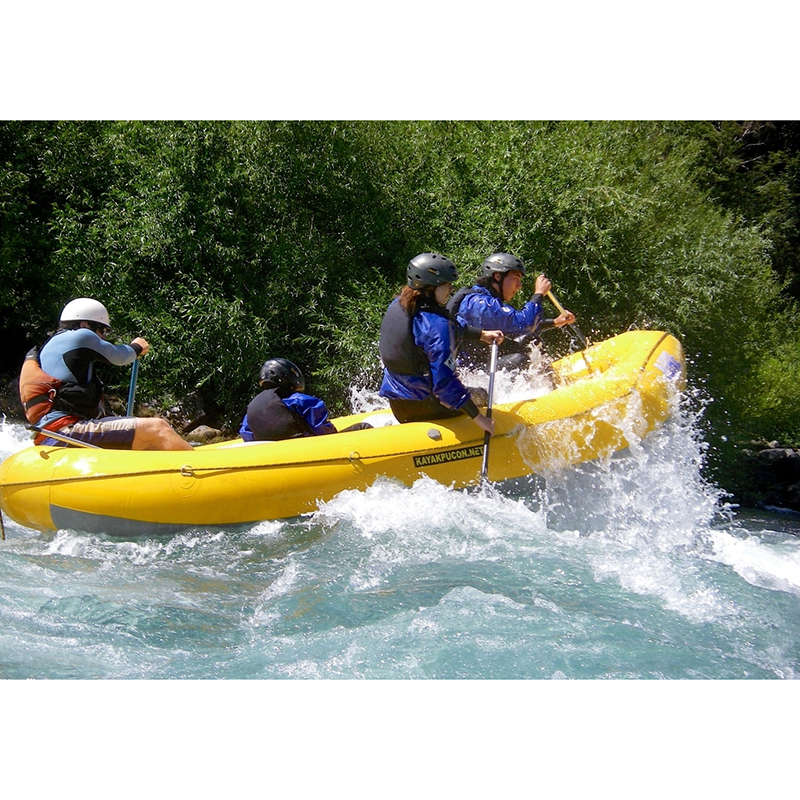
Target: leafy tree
{"x": 225, "y": 243}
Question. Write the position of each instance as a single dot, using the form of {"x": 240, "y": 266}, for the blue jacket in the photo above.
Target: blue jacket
{"x": 436, "y": 335}
{"x": 312, "y": 410}
{"x": 481, "y": 309}
{"x": 70, "y": 356}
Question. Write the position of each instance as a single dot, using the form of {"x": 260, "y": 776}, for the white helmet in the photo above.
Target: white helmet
{"x": 85, "y": 309}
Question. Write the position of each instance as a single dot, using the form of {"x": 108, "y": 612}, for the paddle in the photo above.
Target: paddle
{"x": 62, "y": 437}
{"x": 132, "y": 390}
{"x": 552, "y": 299}
{"x": 487, "y": 436}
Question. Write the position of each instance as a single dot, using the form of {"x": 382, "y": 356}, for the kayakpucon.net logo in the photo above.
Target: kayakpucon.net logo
{"x": 449, "y": 455}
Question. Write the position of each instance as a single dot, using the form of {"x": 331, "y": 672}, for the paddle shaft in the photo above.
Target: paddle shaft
{"x": 63, "y": 437}
{"x": 487, "y": 436}
{"x": 552, "y": 299}
{"x": 132, "y": 390}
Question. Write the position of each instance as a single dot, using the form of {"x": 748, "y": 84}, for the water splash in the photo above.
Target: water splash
{"x": 13, "y": 438}
{"x": 629, "y": 567}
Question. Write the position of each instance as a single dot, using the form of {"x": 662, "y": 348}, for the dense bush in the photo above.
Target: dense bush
{"x": 224, "y": 243}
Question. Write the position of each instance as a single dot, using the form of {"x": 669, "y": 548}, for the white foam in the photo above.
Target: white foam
{"x": 774, "y": 566}
{"x": 13, "y": 438}
{"x": 362, "y": 400}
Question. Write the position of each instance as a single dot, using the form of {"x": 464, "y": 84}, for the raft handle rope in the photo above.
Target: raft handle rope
{"x": 187, "y": 470}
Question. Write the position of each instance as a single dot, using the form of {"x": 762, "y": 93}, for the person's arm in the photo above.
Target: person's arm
{"x": 485, "y": 423}
{"x": 490, "y": 337}
{"x": 244, "y": 431}
{"x": 141, "y": 346}
{"x": 489, "y": 313}
{"x": 471, "y": 331}
{"x": 433, "y": 334}
{"x": 313, "y": 411}
{"x": 567, "y": 318}
{"x": 117, "y": 354}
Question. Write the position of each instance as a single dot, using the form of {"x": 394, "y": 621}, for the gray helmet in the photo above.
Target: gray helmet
{"x": 502, "y": 262}
{"x": 281, "y": 374}
{"x": 430, "y": 269}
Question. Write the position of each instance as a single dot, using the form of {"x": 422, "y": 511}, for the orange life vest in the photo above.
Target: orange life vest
{"x": 37, "y": 389}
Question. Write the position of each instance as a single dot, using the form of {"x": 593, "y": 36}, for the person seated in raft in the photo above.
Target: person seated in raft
{"x": 486, "y": 305}
{"x": 418, "y": 343}
{"x": 61, "y": 391}
{"x": 282, "y": 411}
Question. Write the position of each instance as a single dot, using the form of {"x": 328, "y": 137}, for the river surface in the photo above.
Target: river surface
{"x": 634, "y": 569}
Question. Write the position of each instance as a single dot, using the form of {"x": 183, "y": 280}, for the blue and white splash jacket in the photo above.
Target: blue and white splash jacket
{"x": 70, "y": 356}
{"x": 481, "y": 308}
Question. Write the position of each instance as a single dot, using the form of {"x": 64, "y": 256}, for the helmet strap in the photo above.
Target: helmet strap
{"x": 499, "y": 284}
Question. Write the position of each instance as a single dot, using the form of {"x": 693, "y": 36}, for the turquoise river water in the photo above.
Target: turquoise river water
{"x": 634, "y": 568}
{"x": 517, "y": 600}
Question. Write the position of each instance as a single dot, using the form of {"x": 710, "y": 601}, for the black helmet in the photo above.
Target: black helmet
{"x": 281, "y": 374}
{"x": 502, "y": 262}
{"x": 430, "y": 269}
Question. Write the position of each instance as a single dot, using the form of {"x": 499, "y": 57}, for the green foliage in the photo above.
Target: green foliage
{"x": 753, "y": 168}
{"x": 226, "y": 243}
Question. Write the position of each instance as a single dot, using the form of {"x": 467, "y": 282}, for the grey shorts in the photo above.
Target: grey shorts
{"x": 112, "y": 433}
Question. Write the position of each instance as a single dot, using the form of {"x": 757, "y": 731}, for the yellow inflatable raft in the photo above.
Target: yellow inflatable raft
{"x": 607, "y": 397}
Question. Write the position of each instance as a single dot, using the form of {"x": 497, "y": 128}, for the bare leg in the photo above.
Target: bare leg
{"x": 155, "y": 433}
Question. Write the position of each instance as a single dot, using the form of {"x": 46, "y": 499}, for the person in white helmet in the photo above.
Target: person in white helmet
{"x": 68, "y": 397}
